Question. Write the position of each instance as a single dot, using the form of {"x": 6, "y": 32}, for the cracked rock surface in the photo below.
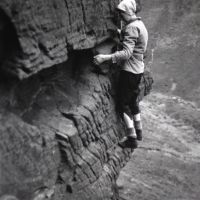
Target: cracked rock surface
{"x": 47, "y": 30}
{"x": 59, "y": 131}
{"x": 58, "y": 124}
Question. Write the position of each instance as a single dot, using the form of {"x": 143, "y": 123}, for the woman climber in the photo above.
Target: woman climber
{"x": 134, "y": 43}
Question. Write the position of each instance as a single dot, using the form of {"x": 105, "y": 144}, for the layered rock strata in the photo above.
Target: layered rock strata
{"x": 59, "y": 134}
{"x": 58, "y": 126}
{"x": 47, "y": 30}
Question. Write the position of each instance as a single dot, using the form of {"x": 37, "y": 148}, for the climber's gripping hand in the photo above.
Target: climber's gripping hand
{"x": 100, "y": 58}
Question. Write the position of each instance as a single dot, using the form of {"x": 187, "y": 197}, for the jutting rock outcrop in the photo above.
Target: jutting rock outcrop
{"x": 58, "y": 124}
{"x": 47, "y": 30}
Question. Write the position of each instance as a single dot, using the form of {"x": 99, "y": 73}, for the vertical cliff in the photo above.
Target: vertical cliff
{"x": 58, "y": 125}
{"x": 59, "y": 131}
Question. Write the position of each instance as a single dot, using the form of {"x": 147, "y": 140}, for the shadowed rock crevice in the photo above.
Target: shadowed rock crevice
{"x": 9, "y": 43}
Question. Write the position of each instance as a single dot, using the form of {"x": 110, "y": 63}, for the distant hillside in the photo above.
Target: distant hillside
{"x": 174, "y": 27}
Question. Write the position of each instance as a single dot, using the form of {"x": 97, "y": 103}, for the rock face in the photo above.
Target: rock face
{"x": 58, "y": 123}
{"x": 58, "y": 133}
{"x": 46, "y": 30}
{"x": 59, "y": 127}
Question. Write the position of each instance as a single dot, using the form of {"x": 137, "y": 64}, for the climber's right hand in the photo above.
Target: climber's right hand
{"x": 100, "y": 58}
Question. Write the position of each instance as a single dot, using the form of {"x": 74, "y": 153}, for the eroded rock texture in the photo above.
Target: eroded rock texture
{"x": 59, "y": 131}
{"x": 58, "y": 128}
{"x": 47, "y": 30}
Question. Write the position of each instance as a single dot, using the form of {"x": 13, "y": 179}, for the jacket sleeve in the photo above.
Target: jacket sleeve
{"x": 131, "y": 35}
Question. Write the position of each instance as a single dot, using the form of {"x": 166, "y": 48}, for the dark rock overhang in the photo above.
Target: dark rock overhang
{"x": 47, "y": 30}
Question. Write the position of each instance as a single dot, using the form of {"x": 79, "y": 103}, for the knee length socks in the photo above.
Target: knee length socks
{"x": 129, "y": 124}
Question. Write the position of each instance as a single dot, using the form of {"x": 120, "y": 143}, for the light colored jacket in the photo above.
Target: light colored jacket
{"x": 134, "y": 44}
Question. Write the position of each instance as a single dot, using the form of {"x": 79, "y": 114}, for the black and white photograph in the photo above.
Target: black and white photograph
{"x": 99, "y": 99}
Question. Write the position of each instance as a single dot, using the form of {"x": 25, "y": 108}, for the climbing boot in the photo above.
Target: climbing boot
{"x": 129, "y": 142}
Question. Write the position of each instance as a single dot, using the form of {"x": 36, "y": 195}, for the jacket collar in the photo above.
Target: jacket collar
{"x": 132, "y": 20}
